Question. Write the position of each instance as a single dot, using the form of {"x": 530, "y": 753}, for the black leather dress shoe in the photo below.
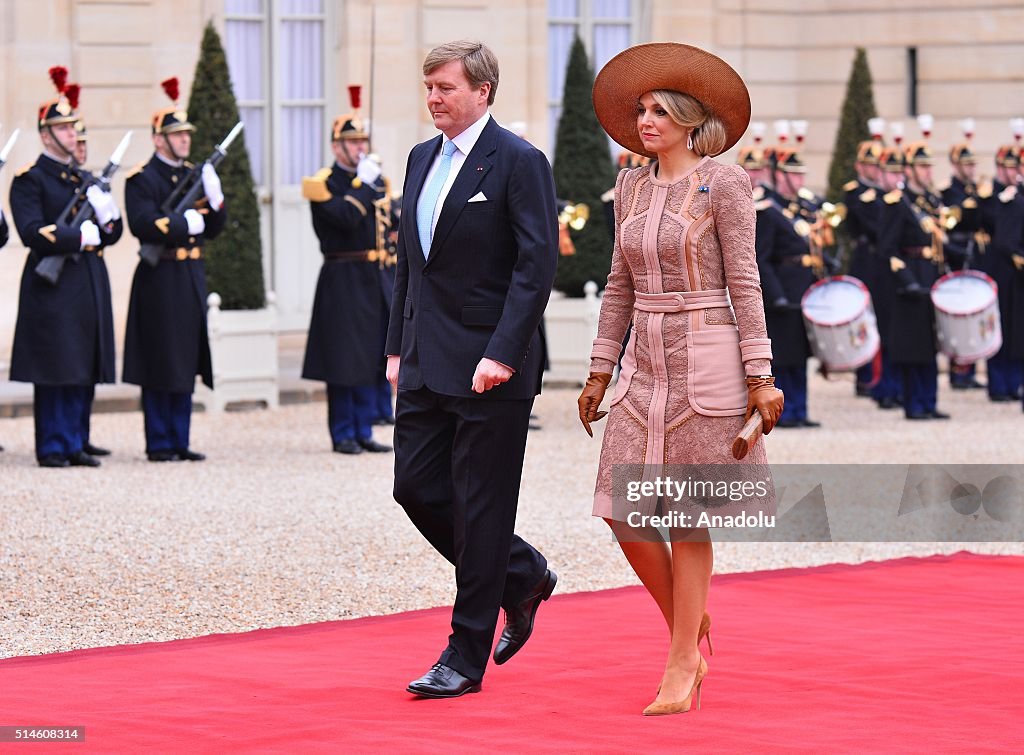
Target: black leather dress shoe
{"x": 348, "y": 446}
{"x": 809, "y": 423}
{"x": 888, "y": 403}
{"x": 788, "y": 423}
{"x": 185, "y": 454}
{"x": 92, "y": 450}
{"x": 442, "y": 681}
{"x": 162, "y": 456}
{"x": 384, "y": 421}
{"x": 54, "y": 461}
{"x": 918, "y": 415}
{"x": 374, "y": 447}
{"x": 519, "y": 620}
{"x": 936, "y": 414}
{"x": 82, "y": 459}
{"x": 1000, "y": 398}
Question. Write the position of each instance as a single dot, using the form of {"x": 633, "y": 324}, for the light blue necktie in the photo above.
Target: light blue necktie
{"x": 430, "y": 195}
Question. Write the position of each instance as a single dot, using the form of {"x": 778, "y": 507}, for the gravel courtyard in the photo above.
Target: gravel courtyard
{"x": 275, "y": 530}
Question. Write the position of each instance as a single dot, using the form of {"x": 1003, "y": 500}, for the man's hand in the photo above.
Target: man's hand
{"x": 212, "y": 187}
{"x": 392, "y": 370}
{"x": 368, "y": 171}
{"x": 103, "y": 204}
{"x": 490, "y": 374}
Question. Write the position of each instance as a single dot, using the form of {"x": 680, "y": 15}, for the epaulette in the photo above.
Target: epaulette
{"x": 985, "y": 189}
{"x": 969, "y": 203}
{"x": 868, "y": 195}
{"x": 609, "y": 195}
{"x": 189, "y": 165}
{"x": 314, "y": 188}
{"x": 764, "y": 204}
{"x": 893, "y": 196}
{"x": 896, "y": 264}
{"x": 135, "y": 170}
{"x": 758, "y": 193}
{"x": 851, "y": 185}
{"x": 23, "y": 169}
{"x": 1008, "y": 194}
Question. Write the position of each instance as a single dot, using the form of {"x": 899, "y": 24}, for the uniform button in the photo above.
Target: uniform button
{"x": 191, "y": 239}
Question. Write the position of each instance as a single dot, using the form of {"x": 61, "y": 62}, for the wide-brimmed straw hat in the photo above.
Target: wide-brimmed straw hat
{"x": 668, "y": 65}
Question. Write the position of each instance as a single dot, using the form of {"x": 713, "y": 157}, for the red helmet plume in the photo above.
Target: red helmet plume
{"x": 59, "y": 77}
{"x": 71, "y": 91}
{"x": 171, "y": 88}
{"x": 354, "y": 92}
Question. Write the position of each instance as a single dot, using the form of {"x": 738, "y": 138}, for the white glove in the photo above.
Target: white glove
{"x": 90, "y": 234}
{"x": 368, "y": 171}
{"x": 211, "y": 185}
{"x": 196, "y": 224}
{"x": 103, "y": 204}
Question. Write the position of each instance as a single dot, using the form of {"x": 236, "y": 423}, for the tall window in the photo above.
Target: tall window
{"x": 606, "y": 27}
{"x": 245, "y": 35}
{"x": 291, "y": 34}
{"x": 301, "y": 37}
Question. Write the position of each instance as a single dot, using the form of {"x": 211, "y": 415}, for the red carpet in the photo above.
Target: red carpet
{"x": 903, "y": 656}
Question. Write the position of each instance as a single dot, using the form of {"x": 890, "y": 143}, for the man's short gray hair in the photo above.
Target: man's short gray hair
{"x": 479, "y": 63}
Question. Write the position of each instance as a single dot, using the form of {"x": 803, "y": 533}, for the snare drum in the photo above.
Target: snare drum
{"x": 841, "y": 323}
{"x": 967, "y": 316}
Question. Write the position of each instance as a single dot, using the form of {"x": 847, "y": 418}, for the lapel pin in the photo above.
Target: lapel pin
{"x": 480, "y": 167}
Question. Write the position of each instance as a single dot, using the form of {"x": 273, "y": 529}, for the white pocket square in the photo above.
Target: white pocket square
{"x": 478, "y": 197}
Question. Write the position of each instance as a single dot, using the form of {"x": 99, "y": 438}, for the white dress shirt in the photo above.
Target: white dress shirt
{"x": 464, "y": 144}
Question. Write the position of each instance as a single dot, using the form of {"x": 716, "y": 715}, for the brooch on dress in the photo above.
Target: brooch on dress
{"x": 703, "y": 188}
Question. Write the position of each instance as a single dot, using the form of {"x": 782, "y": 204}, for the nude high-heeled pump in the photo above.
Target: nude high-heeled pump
{"x": 681, "y": 706}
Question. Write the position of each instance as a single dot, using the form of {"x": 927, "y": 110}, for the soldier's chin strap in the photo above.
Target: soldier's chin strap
{"x": 60, "y": 146}
{"x": 348, "y": 155}
{"x": 175, "y": 155}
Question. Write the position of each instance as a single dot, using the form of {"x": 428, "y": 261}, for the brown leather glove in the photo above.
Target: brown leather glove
{"x": 590, "y": 400}
{"x": 765, "y": 398}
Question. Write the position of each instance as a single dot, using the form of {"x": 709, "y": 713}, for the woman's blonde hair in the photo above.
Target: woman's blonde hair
{"x": 708, "y": 130}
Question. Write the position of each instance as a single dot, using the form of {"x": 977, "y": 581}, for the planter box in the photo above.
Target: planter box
{"x": 571, "y": 326}
{"x": 243, "y": 347}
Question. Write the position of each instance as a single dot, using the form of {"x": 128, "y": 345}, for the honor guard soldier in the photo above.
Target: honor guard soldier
{"x": 754, "y": 160}
{"x": 967, "y": 241}
{"x": 1004, "y": 262}
{"x": 64, "y": 336}
{"x": 345, "y": 349}
{"x": 910, "y": 241}
{"x": 166, "y": 341}
{"x": 862, "y": 197}
{"x": 4, "y": 231}
{"x": 787, "y": 270}
{"x": 81, "y": 157}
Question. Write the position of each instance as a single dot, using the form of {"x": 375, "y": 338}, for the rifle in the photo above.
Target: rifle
{"x": 8, "y": 147}
{"x": 187, "y": 192}
{"x": 78, "y": 210}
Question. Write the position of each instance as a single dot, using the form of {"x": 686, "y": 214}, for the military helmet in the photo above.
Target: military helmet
{"x": 62, "y": 109}
{"x": 1008, "y": 156}
{"x": 348, "y": 126}
{"x": 788, "y": 160}
{"x": 751, "y": 157}
{"x": 892, "y": 159}
{"x": 170, "y": 120}
{"x": 918, "y": 153}
{"x": 81, "y": 132}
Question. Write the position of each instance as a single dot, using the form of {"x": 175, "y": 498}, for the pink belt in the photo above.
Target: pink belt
{"x": 681, "y": 301}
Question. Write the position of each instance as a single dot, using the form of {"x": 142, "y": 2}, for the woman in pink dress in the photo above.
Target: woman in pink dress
{"x": 697, "y": 364}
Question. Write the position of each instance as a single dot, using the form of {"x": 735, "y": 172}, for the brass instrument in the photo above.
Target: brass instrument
{"x": 574, "y": 215}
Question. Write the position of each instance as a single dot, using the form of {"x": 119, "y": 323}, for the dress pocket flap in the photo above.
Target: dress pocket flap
{"x": 715, "y": 382}
{"x": 407, "y": 313}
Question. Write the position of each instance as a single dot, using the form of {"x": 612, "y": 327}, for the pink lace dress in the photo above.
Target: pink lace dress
{"x": 684, "y": 273}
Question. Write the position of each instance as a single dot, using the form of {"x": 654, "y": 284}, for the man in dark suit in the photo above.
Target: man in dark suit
{"x": 476, "y": 260}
